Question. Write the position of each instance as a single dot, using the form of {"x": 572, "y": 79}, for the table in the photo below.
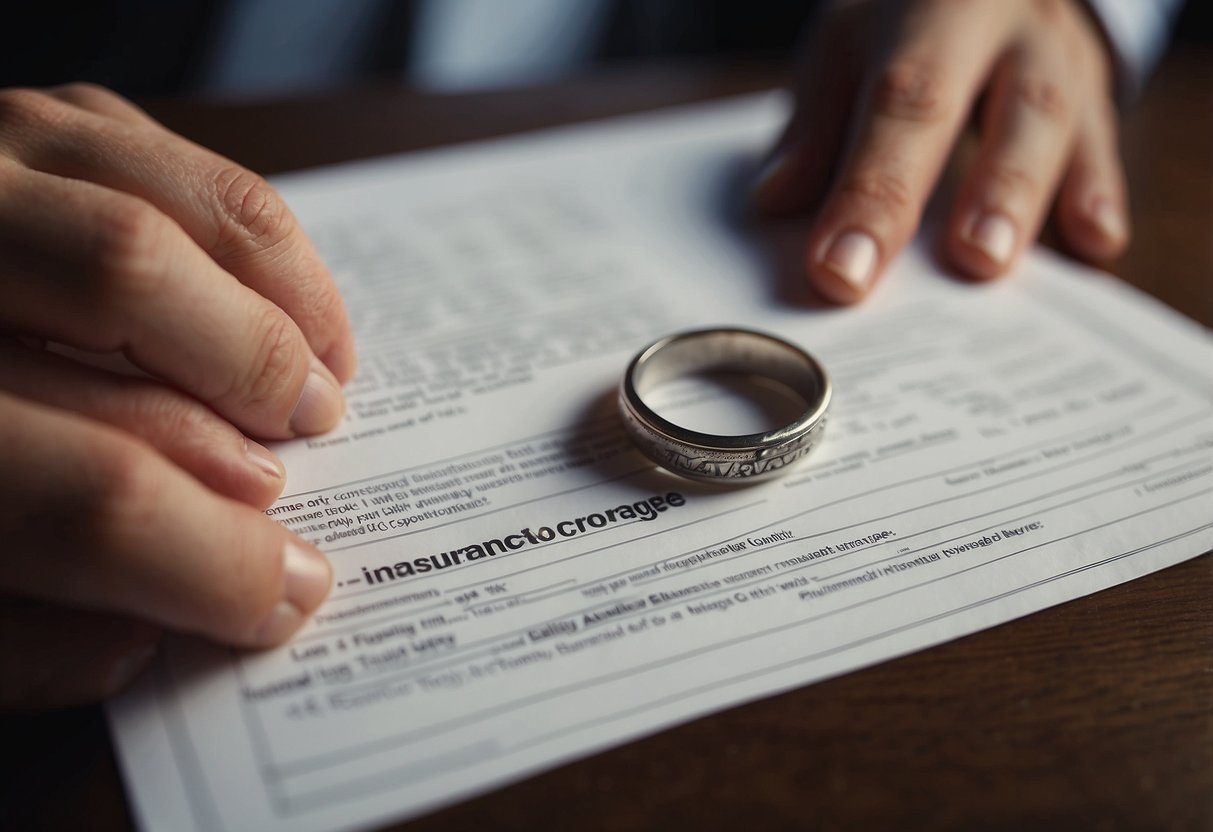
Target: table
{"x": 1095, "y": 715}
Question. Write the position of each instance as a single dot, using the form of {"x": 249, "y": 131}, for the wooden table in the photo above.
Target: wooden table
{"x": 1094, "y": 715}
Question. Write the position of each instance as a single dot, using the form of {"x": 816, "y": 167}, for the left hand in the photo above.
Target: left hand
{"x": 129, "y": 506}
{"x": 885, "y": 91}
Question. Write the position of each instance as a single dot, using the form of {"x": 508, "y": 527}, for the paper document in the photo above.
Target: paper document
{"x": 516, "y": 586}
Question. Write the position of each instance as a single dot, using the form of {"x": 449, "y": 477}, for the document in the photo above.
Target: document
{"x": 516, "y": 586}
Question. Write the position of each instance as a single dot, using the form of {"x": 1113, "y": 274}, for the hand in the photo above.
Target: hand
{"x": 887, "y": 88}
{"x": 129, "y": 505}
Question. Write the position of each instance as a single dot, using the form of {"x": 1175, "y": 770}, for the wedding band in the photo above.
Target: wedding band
{"x": 723, "y": 458}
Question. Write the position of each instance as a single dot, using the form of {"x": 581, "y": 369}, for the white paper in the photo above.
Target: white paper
{"x": 991, "y": 451}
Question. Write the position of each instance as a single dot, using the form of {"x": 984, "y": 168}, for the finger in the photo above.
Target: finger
{"x": 917, "y": 104}
{"x": 1092, "y": 207}
{"x": 95, "y": 519}
{"x": 105, "y": 271}
{"x": 1027, "y": 136}
{"x": 187, "y": 432}
{"x": 101, "y": 101}
{"x": 51, "y": 657}
{"x": 798, "y": 166}
{"x": 232, "y": 214}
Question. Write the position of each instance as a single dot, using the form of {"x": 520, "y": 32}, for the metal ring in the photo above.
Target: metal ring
{"x": 704, "y": 456}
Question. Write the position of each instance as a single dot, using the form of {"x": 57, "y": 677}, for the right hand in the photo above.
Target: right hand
{"x": 130, "y": 505}
{"x": 886, "y": 89}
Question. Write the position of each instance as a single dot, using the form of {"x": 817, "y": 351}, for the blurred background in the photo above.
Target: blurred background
{"x": 225, "y": 49}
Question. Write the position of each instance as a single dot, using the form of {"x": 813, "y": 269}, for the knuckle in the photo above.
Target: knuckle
{"x": 270, "y": 370}
{"x": 86, "y": 95}
{"x": 913, "y": 91}
{"x": 1044, "y": 96}
{"x": 879, "y": 191}
{"x": 1052, "y": 11}
{"x": 23, "y": 109}
{"x": 166, "y": 413}
{"x": 128, "y": 251}
{"x": 127, "y": 485}
{"x": 1007, "y": 184}
{"x": 250, "y": 210}
{"x": 321, "y": 304}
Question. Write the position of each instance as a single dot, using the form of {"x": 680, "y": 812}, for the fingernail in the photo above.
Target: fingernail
{"x": 128, "y": 666}
{"x": 852, "y": 256}
{"x": 307, "y": 578}
{"x": 1109, "y": 220}
{"x": 264, "y": 460}
{"x": 320, "y": 404}
{"x": 308, "y": 575}
{"x": 994, "y": 236}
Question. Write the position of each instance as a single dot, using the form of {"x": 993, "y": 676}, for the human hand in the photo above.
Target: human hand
{"x": 128, "y": 505}
{"x": 881, "y": 100}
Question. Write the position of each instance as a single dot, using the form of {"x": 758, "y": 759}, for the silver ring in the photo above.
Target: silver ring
{"x": 705, "y": 456}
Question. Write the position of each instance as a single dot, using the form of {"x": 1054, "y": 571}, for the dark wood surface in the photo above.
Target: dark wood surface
{"x": 1097, "y": 714}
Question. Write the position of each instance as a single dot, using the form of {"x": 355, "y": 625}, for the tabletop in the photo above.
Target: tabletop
{"x": 1097, "y": 714}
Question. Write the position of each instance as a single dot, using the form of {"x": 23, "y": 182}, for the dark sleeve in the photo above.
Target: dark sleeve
{"x": 137, "y": 47}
